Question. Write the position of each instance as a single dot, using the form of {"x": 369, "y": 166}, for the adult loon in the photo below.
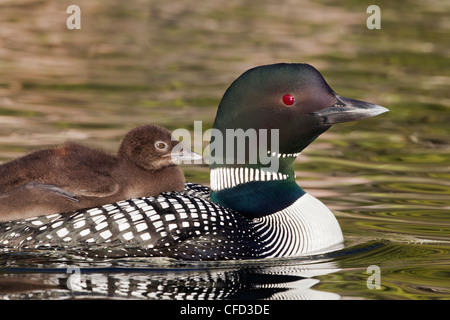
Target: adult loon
{"x": 253, "y": 210}
{"x": 73, "y": 176}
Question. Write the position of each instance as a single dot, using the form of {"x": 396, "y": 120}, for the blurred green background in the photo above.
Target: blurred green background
{"x": 169, "y": 63}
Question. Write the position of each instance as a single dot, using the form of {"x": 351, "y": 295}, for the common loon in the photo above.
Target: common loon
{"x": 249, "y": 212}
{"x": 73, "y": 176}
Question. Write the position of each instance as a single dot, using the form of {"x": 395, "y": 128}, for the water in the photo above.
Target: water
{"x": 385, "y": 178}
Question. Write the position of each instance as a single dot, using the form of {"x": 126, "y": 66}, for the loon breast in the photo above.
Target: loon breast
{"x": 305, "y": 227}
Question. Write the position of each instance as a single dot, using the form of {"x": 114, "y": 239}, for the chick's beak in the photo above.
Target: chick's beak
{"x": 184, "y": 156}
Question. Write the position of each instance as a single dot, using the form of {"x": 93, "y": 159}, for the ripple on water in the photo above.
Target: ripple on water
{"x": 407, "y": 271}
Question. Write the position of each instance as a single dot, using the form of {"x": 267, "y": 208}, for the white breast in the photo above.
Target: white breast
{"x": 305, "y": 227}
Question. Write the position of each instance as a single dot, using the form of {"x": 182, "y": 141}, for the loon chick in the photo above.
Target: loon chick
{"x": 255, "y": 209}
{"x": 73, "y": 176}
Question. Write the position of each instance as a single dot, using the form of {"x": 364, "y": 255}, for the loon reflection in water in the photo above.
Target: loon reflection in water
{"x": 170, "y": 279}
{"x": 239, "y": 282}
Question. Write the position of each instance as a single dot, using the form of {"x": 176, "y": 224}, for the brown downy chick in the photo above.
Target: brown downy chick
{"x": 74, "y": 176}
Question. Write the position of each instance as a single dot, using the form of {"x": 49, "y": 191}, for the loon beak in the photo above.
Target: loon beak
{"x": 185, "y": 156}
{"x": 346, "y": 109}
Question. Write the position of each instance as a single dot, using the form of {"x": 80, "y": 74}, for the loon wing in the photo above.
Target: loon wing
{"x": 184, "y": 225}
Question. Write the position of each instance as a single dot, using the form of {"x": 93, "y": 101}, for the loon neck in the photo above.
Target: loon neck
{"x": 254, "y": 191}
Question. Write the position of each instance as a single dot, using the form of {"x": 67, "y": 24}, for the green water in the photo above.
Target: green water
{"x": 136, "y": 62}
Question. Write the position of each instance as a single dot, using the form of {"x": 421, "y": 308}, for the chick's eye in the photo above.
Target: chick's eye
{"x": 288, "y": 99}
{"x": 160, "y": 145}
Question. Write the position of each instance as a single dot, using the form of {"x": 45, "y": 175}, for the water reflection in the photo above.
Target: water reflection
{"x": 169, "y": 280}
{"x": 341, "y": 274}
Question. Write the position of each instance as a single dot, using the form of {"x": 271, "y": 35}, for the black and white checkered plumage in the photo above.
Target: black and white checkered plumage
{"x": 182, "y": 225}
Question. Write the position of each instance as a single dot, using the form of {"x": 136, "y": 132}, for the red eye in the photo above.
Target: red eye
{"x": 288, "y": 99}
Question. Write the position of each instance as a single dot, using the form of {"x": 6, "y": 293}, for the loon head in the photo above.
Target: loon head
{"x": 293, "y": 98}
{"x": 268, "y": 116}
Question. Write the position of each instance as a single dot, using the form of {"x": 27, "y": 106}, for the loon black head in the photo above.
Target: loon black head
{"x": 293, "y": 98}
{"x": 285, "y": 107}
